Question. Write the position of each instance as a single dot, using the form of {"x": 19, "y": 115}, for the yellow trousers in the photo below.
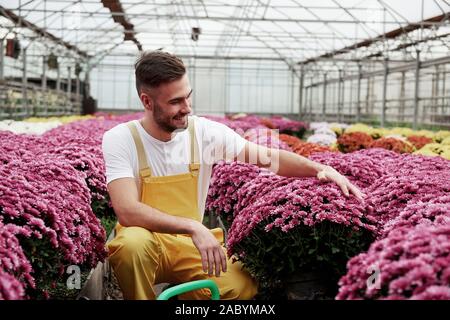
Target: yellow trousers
{"x": 141, "y": 258}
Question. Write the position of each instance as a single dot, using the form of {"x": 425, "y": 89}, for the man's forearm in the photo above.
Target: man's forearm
{"x": 142, "y": 215}
{"x": 281, "y": 162}
{"x": 294, "y": 165}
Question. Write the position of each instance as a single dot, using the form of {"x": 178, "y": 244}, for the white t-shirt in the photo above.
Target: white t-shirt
{"x": 215, "y": 142}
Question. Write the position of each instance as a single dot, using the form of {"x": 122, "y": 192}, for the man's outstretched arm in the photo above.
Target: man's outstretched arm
{"x": 289, "y": 164}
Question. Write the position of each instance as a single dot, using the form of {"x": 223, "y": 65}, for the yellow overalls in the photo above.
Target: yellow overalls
{"x": 141, "y": 258}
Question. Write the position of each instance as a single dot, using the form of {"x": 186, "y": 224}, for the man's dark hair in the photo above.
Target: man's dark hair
{"x": 154, "y": 68}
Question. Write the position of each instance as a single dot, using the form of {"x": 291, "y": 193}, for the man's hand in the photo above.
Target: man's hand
{"x": 210, "y": 249}
{"x": 330, "y": 174}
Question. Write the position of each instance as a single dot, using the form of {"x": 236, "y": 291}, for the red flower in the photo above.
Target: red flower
{"x": 288, "y": 139}
{"x": 419, "y": 141}
{"x": 349, "y": 142}
{"x": 393, "y": 144}
{"x": 306, "y": 149}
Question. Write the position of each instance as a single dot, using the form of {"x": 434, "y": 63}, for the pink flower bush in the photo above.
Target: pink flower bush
{"x": 15, "y": 269}
{"x": 362, "y": 167}
{"x": 79, "y": 143}
{"x": 298, "y": 201}
{"x": 10, "y": 287}
{"x": 285, "y": 125}
{"x": 277, "y": 225}
{"x": 412, "y": 263}
{"x": 48, "y": 184}
{"x": 391, "y": 193}
{"x": 226, "y": 180}
{"x": 257, "y": 187}
{"x": 435, "y": 211}
{"x": 251, "y": 121}
{"x": 267, "y": 138}
{"x": 240, "y": 125}
{"x": 269, "y": 214}
{"x": 281, "y": 226}
{"x": 15, "y": 146}
{"x": 53, "y": 200}
{"x": 119, "y": 118}
{"x": 411, "y": 204}
{"x": 417, "y": 163}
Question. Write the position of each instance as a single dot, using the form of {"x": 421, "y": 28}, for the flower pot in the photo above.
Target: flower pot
{"x": 308, "y": 286}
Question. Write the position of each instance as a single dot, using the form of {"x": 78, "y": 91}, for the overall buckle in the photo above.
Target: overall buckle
{"x": 194, "y": 167}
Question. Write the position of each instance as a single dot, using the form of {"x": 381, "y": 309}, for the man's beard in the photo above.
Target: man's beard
{"x": 165, "y": 122}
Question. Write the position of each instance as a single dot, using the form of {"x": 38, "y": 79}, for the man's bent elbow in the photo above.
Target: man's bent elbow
{"x": 125, "y": 215}
{"x": 123, "y": 221}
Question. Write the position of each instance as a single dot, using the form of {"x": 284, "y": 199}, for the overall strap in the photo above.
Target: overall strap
{"x": 144, "y": 169}
{"x": 194, "y": 164}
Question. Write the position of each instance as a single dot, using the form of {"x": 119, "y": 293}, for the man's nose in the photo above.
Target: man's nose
{"x": 186, "y": 106}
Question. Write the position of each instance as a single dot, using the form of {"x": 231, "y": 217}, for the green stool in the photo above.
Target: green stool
{"x": 191, "y": 286}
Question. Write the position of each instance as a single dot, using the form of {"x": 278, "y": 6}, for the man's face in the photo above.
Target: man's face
{"x": 172, "y": 104}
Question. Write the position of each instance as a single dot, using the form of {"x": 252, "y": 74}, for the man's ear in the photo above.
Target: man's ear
{"x": 147, "y": 101}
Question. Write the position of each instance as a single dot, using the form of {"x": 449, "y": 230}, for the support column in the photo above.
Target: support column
{"x": 369, "y": 88}
{"x": 300, "y": 92}
{"x": 2, "y": 59}
{"x": 349, "y": 112}
{"x": 385, "y": 80}
{"x": 25, "y": 83}
{"x": 77, "y": 91}
{"x": 305, "y": 113}
{"x": 435, "y": 92}
{"x": 358, "y": 102}
{"x": 69, "y": 89}
{"x": 2, "y": 74}
{"x": 402, "y": 97}
{"x": 416, "y": 91}
{"x": 227, "y": 87}
{"x": 87, "y": 83}
{"x": 311, "y": 89}
{"x": 444, "y": 77}
{"x": 58, "y": 80}
{"x": 339, "y": 97}
{"x": 291, "y": 86}
{"x": 44, "y": 85}
{"x": 324, "y": 97}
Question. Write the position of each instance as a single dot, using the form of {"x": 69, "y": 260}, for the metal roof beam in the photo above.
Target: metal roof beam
{"x": 226, "y": 18}
{"x": 223, "y": 4}
{"x": 207, "y": 57}
{"x": 437, "y": 20}
{"x": 120, "y": 17}
{"x": 21, "y": 22}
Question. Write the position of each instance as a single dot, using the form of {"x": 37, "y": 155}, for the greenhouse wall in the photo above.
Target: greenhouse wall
{"x": 397, "y": 94}
{"x": 219, "y": 86}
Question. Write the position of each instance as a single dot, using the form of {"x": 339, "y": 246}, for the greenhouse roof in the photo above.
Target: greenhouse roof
{"x": 293, "y": 31}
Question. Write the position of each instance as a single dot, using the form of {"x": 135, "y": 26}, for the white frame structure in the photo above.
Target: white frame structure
{"x": 378, "y": 61}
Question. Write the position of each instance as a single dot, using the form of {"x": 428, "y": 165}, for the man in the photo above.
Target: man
{"x": 158, "y": 171}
